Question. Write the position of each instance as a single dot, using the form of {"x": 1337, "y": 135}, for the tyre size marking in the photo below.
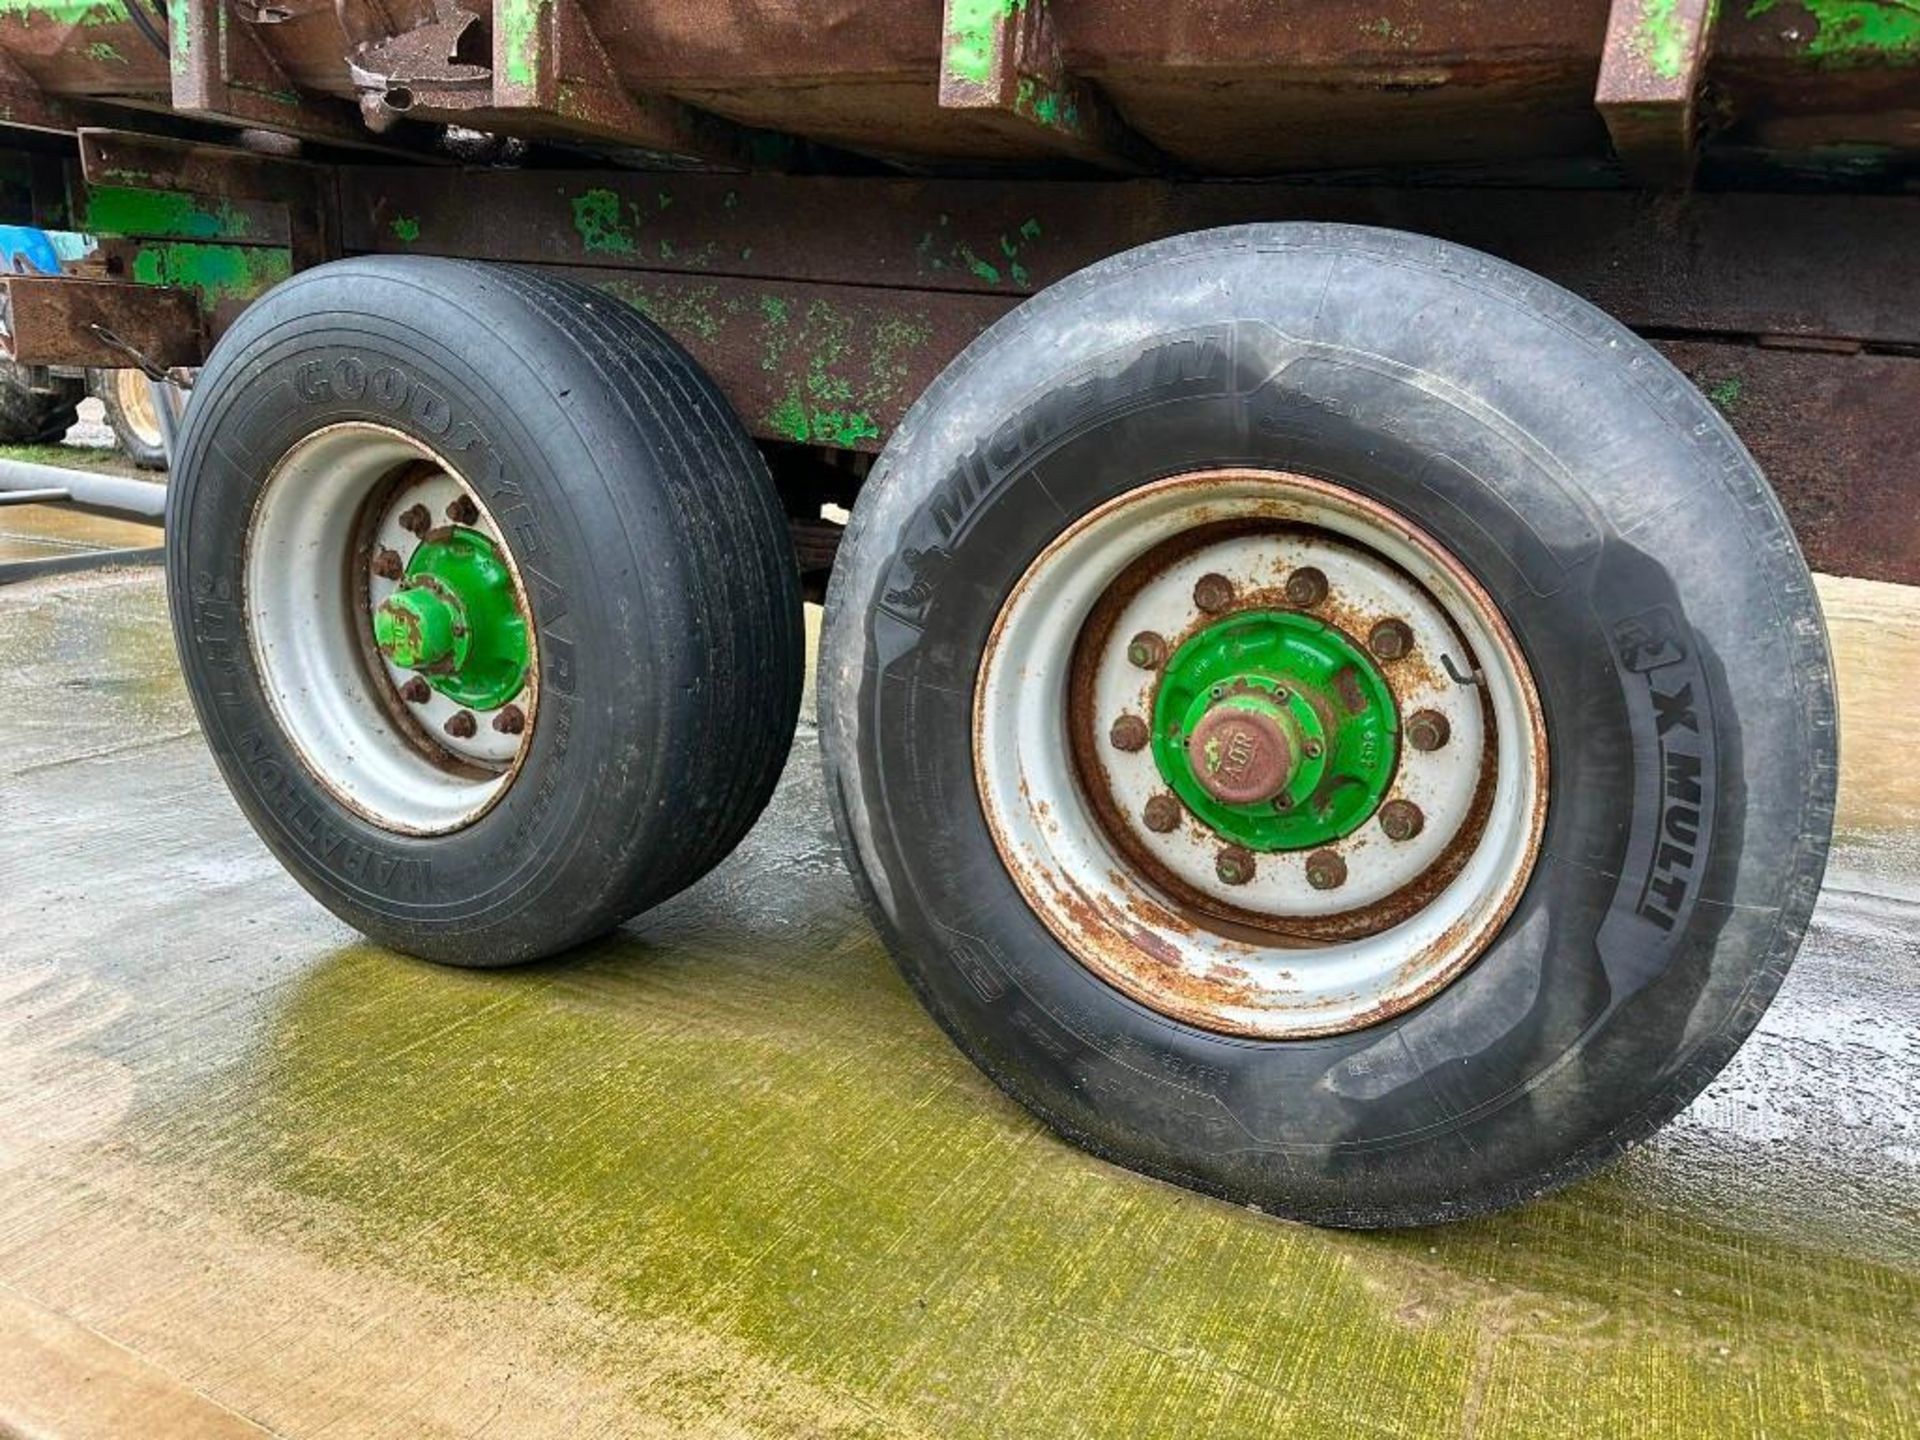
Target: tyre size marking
{"x": 390, "y": 875}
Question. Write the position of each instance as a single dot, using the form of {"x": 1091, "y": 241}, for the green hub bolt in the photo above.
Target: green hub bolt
{"x": 1278, "y": 731}
{"x": 455, "y": 620}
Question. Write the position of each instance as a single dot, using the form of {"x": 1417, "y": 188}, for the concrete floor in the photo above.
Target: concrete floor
{"x": 719, "y": 1175}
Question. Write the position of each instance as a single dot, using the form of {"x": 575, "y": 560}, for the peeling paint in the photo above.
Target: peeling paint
{"x": 406, "y": 229}
{"x": 214, "y": 272}
{"x": 1660, "y": 38}
{"x": 126, "y": 210}
{"x": 597, "y": 218}
{"x": 973, "y": 36}
{"x": 519, "y": 22}
{"x": 1858, "y": 32}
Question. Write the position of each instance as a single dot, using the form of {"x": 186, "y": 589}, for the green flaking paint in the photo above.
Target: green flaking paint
{"x": 124, "y": 210}
{"x": 519, "y": 22}
{"x": 972, "y": 31}
{"x": 213, "y": 272}
{"x": 1659, "y": 39}
{"x": 68, "y": 14}
{"x": 179, "y": 36}
{"x": 105, "y": 54}
{"x": 1858, "y": 32}
{"x": 406, "y": 229}
{"x": 596, "y": 216}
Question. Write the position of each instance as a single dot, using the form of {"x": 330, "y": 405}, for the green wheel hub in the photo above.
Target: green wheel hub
{"x": 1276, "y": 730}
{"x": 454, "y": 619}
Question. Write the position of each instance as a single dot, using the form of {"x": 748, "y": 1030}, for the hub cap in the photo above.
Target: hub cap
{"x": 1260, "y": 753}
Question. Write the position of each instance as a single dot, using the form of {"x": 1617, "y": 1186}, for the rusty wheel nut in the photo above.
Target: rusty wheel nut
{"x": 1306, "y": 587}
{"x": 1390, "y": 639}
{"x": 1234, "y": 865}
{"x": 462, "y": 511}
{"x": 1427, "y": 730}
{"x": 462, "y": 726}
{"x": 1213, "y": 593}
{"x": 1401, "y": 819}
{"x": 417, "y": 519}
{"x": 1148, "y": 650}
{"x": 1326, "y": 870}
{"x": 387, "y": 564}
{"x": 1129, "y": 732}
{"x": 511, "y": 720}
{"x": 416, "y": 691}
{"x": 1161, "y": 813}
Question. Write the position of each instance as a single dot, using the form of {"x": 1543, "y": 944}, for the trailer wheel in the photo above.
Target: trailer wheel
{"x": 127, "y": 397}
{"x": 30, "y": 416}
{"x": 485, "y": 602}
{"x": 1330, "y": 719}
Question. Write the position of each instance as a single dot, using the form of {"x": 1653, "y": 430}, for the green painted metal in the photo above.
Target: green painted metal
{"x": 456, "y": 620}
{"x": 1329, "y": 698}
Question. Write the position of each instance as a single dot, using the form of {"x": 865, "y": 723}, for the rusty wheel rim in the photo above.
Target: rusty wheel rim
{"x": 1184, "y": 918}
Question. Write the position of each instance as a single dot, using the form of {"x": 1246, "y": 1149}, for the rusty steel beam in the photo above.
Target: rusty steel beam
{"x": 1001, "y": 65}
{"x": 221, "y": 70}
{"x": 1650, "y": 72}
{"x": 1723, "y": 264}
{"x": 103, "y": 324}
{"x": 111, "y": 158}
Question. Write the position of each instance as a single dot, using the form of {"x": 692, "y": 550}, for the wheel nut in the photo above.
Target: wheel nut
{"x": 416, "y": 519}
{"x": 1401, "y": 819}
{"x": 1148, "y": 650}
{"x": 416, "y": 691}
{"x": 462, "y": 511}
{"x": 1390, "y": 639}
{"x": 387, "y": 564}
{"x": 1427, "y": 730}
{"x": 1306, "y": 587}
{"x": 462, "y": 726}
{"x": 1234, "y": 865}
{"x": 1213, "y": 593}
{"x": 1129, "y": 732}
{"x": 1161, "y": 813}
{"x": 1326, "y": 870}
{"x": 511, "y": 720}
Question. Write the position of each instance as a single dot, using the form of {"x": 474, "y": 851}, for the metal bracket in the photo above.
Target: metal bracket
{"x": 1656, "y": 52}
{"x": 1001, "y": 64}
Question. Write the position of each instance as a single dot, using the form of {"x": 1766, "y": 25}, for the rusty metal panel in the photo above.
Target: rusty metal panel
{"x": 1839, "y": 437}
{"x": 64, "y": 320}
{"x": 1650, "y": 72}
{"x": 830, "y": 365}
{"x": 1840, "y": 266}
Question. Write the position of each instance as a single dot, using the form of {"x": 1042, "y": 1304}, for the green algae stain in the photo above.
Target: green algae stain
{"x": 406, "y": 228}
{"x": 973, "y": 28}
{"x": 1858, "y": 32}
{"x": 1725, "y": 394}
{"x": 124, "y": 210}
{"x": 1660, "y": 39}
{"x": 597, "y": 219}
{"x": 672, "y": 1129}
{"x": 214, "y": 272}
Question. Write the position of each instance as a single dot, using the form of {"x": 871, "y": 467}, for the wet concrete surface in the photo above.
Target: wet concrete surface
{"x": 719, "y": 1175}
{"x": 35, "y": 532}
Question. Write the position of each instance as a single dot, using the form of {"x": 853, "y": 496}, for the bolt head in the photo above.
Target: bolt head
{"x": 416, "y": 691}
{"x": 511, "y": 720}
{"x": 1234, "y": 865}
{"x": 1401, "y": 820}
{"x": 1428, "y": 730}
{"x": 462, "y": 511}
{"x": 1147, "y": 650}
{"x": 1129, "y": 733}
{"x": 416, "y": 519}
{"x": 1306, "y": 587}
{"x": 1326, "y": 870}
{"x": 1390, "y": 640}
{"x": 387, "y": 564}
{"x": 1160, "y": 814}
{"x": 462, "y": 725}
{"x": 1212, "y": 593}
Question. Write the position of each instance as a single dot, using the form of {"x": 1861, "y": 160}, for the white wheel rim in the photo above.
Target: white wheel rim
{"x": 1136, "y": 925}
{"x": 325, "y": 508}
